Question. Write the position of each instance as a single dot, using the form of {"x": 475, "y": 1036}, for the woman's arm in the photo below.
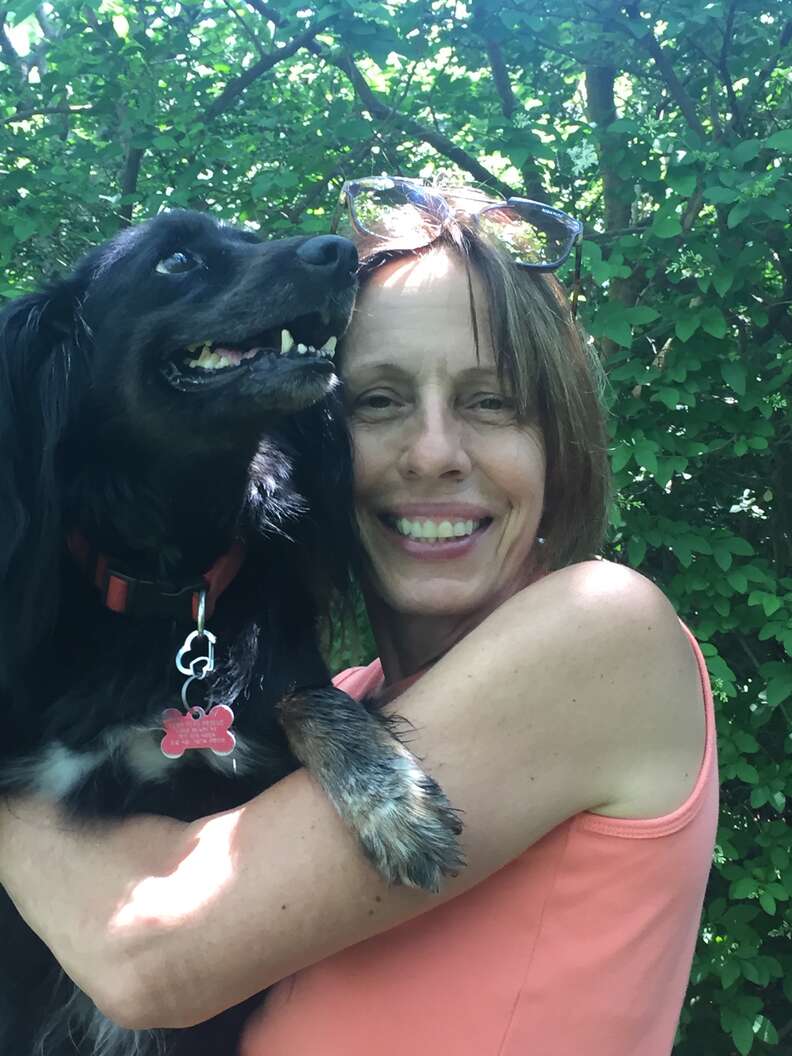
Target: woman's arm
{"x": 544, "y": 710}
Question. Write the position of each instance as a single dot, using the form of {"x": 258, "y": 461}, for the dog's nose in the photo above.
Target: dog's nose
{"x": 336, "y": 256}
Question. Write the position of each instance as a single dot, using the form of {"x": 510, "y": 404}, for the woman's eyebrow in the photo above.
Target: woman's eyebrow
{"x": 387, "y": 368}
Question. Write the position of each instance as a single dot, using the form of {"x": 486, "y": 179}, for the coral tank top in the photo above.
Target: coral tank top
{"x": 582, "y": 946}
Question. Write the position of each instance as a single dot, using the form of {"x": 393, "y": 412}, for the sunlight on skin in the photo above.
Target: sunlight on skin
{"x": 434, "y": 263}
{"x": 199, "y": 878}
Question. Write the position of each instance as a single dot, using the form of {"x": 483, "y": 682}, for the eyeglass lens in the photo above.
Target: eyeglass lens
{"x": 532, "y": 235}
{"x": 410, "y": 217}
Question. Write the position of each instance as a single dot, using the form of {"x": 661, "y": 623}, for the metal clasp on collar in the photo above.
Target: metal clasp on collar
{"x": 204, "y": 663}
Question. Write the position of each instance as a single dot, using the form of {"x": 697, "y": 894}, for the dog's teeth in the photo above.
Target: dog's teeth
{"x": 328, "y": 348}
{"x": 287, "y": 342}
{"x": 301, "y": 349}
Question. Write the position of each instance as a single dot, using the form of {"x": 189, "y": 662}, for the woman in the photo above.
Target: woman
{"x": 556, "y": 699}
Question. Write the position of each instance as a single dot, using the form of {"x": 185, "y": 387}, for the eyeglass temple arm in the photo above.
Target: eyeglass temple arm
{"x": 576, "y": 280}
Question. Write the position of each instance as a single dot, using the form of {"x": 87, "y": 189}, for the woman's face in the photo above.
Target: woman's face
{"x": 449, "y": 486}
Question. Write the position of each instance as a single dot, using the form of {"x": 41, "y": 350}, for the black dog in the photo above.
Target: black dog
{"x": 169, "y": 454}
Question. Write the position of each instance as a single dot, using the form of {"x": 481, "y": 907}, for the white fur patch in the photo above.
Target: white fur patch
{"x": 143, "y": 754}
{"x": 59, "y": 769}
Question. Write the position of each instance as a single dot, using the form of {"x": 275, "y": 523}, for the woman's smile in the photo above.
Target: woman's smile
{"x": 436, "y": 532}
{"x": 449, "y": 483}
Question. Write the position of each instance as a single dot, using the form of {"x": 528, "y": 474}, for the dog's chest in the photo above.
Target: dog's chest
{"x": 58, "y": 770}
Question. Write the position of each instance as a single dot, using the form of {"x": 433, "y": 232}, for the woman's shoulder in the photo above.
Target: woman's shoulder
{"x": 601, "y": 579}
{"x": 602, "y": 598}
{"x": 620, "y": 631}
{"x": 614, "y": 613}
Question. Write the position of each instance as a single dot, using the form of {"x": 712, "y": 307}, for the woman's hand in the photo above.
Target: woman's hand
{"x": 69, "y": 880}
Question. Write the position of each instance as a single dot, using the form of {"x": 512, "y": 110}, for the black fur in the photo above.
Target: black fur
{"x": 100, "y": 432}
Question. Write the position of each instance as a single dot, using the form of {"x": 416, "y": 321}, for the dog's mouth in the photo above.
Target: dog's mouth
{"x": 209, "y": 364}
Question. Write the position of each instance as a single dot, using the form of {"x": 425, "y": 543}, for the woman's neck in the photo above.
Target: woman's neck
{"x": 408, "y": 643}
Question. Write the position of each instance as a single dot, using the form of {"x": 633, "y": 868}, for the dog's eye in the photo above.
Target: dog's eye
{"x": 177, "y": 263}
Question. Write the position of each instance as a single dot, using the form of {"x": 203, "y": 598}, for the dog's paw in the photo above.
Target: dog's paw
{"x": 407, "y": 828}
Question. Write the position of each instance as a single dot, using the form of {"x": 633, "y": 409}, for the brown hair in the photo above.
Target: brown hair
{"x": 555, "y": 377}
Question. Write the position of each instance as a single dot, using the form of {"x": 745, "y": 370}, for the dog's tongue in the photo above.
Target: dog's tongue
{"x": 236, "y": 355}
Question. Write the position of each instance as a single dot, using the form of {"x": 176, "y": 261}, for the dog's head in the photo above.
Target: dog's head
{"x": 194, "y": 322}
{"x": 179, "y": 338}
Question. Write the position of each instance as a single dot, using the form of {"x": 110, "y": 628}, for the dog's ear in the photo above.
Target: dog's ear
{"x": 37, "y": 351}
{"x": 326, "y": 533}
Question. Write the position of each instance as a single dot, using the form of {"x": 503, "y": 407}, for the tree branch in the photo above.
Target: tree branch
{"x": 267, "y": 11}
{"x": 47, "y": 28}
{"x": 23, "y": 115}
{"x": 723, "y": 68}
{"x": 129, "y": 179}
{"x": 442, "y": 144}
{"x": 245, "y": 28}
{"x": 235, "y": 88}
{"x": 617, "y": 192}
{"x": 500, "y": 76}
{"x": 661, "y": 60}
{"x": 760, "y": 82}
{"x": 319, "y": 188}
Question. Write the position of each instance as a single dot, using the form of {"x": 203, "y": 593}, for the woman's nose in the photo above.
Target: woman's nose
{"x": 435, "y": 448}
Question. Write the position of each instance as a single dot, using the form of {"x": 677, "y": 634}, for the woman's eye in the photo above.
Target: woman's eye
{"x": 377, "y": 401}
{"x": 376, "y": 405}
{"x": 177, "y": 263}
{"x": 492, "y": 403}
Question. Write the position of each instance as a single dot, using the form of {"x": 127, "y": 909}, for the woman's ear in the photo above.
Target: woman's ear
{"x": 36, "y": 351}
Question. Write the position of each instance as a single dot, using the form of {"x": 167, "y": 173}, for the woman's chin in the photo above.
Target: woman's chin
{"x": 433, "y": 597}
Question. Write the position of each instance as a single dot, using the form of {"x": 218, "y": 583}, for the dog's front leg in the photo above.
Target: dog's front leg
{"x": 406, "y": 826}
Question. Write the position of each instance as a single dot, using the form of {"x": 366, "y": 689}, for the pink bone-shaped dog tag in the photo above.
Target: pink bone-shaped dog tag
{"x": 197, "y": 729}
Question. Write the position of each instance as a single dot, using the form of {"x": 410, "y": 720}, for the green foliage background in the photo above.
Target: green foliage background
{"x": 667, "y": 127}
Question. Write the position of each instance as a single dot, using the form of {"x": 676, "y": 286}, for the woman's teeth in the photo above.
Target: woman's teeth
{"x": 435, "y": 530}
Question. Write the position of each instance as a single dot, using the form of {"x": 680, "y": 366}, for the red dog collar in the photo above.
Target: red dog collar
{"x": 123, "y": 592}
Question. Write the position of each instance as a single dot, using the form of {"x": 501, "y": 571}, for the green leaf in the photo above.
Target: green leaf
{"x": 742, "y": 1034}
{"x": 780, "y": 140}
{"x": 723, "y": 558}
{"x": 22, "y": 10}
{"x": 730, "y": 973}
{"x": 746, "y": 151}
{"x": 683, "y": 181}
{"x": 745, "y": 887}
{"x": 734, "y": 374}
{"x": 685, "y": 327}
{"x": 740, "y": 546}
{"x": 768, "y": 903}
{"x": 636, "y": 551}
{"x": 666, "y": 225}
{"x": 645, "y": 454}
{"x": 722, "y": 280}
{"x": 737, "y": 214}
{"x": 721, "y": 195}
{"x": 713, "y": 322}
{"x": 620, "y": 457}
{"x": 745, "y": 742}
{"x": 669, "y": 397}
{"x": 737, "y": 581}
{"x": 641, "y": 314}
{"x": 779, "y": 690}
{"x": 618, "y": 330}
